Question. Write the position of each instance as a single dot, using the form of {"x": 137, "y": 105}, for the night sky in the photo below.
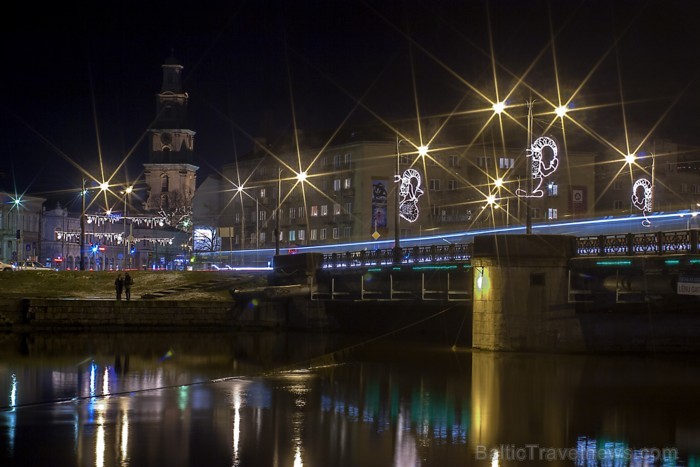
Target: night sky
{"x": 80, "y": 81}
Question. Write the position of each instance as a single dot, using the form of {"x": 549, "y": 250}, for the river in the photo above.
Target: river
{"x": 286, "y": 399}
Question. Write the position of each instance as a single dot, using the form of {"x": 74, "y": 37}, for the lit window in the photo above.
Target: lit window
{"x": 553, "y": 189}
{"x": 336, "y": 233}
{"x": 324, "y": 210}
{"x": 506, "y": 162}
{"x": 314, "y": 211}
{"x": 292, "y": 235}
{"x": 301, "y": 235}
{"x": 323, "y": 234}
{"x": 292, "y": 213}
{"x": 313, "y": 235}
{"x": 262, "y": 215}
{"x": 347, "y": 183}
{"x": 262, "y": 192}
{"x": 336, "y": 184}
{"x": 551, "y": 213}
{"x": 336, "y": 209}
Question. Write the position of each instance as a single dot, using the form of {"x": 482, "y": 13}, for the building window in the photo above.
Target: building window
{"x": 435, "y": 184}
{"x": 313, "y": 235}
{"x": 262, "y": 215}
{"x": 617, "y": 185}
{"x": 617, "y": 204}
{"x": 454, "y": 161}
{"x": 324, "y": 185}
{"x": 536, "y": 213}
{"x": 348, "y": 159}
{"x": 483, "y": 162}
{"x": 314, "y": 211}
{"x": 301, "y": 235}
{"x": 237, "y": 218}
{"x": 347, "y": 232}
{"x": 262, "y": 192}
{"x": 336, "y": 161}
{"x": 262, "y": 237}
{"x": 336, "y": 184}
{"x": 403, "y": 159}
{"x": 506, "y": 162}
{"x": 684, "y": 188}
{"x": 553, "y": 189}
{"x": 336, "y": 233}
{"x": 324, "y": 210}
{"x": 323, "y": 234}
{"x": 292, "y": 235}
{"x": 324, "y": 162}
{"x": 292, "y": 213}
{"x": 551, "y": 213}
{"x": 164, "y": 183}
{"x": 300, "y": 212}
{"x": 451, "y": 185}
{"x": 347, "y": 183}
{"x": 336, "y": 209}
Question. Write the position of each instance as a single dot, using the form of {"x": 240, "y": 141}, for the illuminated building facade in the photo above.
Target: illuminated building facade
{"x": 20, "y": 227}
{"x": 349, "y": 193}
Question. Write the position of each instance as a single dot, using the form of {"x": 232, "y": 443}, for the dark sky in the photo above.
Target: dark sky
{"x": 79, "y": 81}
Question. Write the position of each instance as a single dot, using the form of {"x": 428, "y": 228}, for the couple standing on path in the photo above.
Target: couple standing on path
{"x": 123, "y": 284}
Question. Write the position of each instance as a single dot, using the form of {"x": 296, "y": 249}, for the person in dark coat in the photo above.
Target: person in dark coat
{"x": 128, "y": 282}
{"x": 119, "y": 286}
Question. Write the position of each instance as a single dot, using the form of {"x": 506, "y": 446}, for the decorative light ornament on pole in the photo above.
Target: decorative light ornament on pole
{"x": 538, "y": 167}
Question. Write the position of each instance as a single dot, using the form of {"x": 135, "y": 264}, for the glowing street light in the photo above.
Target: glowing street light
{"x": 561, "y": 111}
{"x": 630, "y": 158}
{"x": 499, "y": 107}
{"x": 423, "y": 151}
{"x": 301, "y": 176}
{"x": 498, "y": 183}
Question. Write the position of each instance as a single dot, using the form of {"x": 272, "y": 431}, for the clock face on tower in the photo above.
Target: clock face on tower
{"x": 166, "y": 138}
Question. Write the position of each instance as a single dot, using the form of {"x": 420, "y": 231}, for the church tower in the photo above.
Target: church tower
{"x": 170, "y": 174}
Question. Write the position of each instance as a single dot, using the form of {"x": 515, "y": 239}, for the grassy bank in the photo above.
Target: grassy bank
{"x": 190, "y": 285}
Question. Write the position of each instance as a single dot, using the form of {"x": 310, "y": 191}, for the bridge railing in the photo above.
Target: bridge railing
{"x": 409, "y": 255}
{"x": 647, "y": 243}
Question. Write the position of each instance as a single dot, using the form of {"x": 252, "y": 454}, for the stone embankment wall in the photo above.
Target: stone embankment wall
{"x": 37, "y": 314}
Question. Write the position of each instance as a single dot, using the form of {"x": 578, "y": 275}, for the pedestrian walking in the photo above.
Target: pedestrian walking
{"x": 119, "y": 286}
{"x": 128, "y": 281}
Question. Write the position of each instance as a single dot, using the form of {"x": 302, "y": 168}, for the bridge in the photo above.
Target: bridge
{"x": 519, "y": 291}
{"x": 633, "y": 266}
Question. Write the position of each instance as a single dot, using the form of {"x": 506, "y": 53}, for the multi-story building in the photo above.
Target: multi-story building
{"x": 661, "y": 176}
{"x": 353, "y": 191}
{"x": 20, "y": 227}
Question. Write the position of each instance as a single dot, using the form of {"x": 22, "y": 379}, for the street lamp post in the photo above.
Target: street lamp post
{"x": 127, "y": 191}
{"x": 528, "y": 211}
{"x": 82, "y": 229}
{"x": 277, "y": 214}
{"x": 397, "y": 217}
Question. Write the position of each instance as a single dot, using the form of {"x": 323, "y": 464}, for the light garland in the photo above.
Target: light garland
{"x": 410, "y": 191}
{"x": 149, "y": 221}
{"x": 112, "y": 238}
{"x": 645, "y": 202}
{"x": 540, "y": 170}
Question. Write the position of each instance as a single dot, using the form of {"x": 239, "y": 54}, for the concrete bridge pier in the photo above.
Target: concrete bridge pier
{"x": 520, "y": 300}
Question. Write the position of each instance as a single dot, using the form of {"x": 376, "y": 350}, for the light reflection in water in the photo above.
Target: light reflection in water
{"x": 93, "y": 377}
{"x": 405, "y": 452}
{"x": 236, "y": 402}
{"x": 124, "y": 432}
{"x": 100, "y": 442}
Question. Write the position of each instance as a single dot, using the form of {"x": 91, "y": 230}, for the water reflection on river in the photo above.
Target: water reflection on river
{"x": 316, "y": 400}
